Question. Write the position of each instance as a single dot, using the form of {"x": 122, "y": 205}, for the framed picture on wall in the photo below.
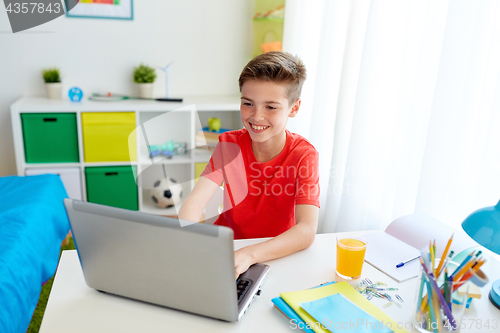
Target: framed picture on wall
{"x": 105, "y": 9}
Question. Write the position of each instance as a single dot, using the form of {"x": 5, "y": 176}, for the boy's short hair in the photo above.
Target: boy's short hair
{"x": 279, "y": 67}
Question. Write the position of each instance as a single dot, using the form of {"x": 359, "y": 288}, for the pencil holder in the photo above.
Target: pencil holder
{"x": 439, "y": 303}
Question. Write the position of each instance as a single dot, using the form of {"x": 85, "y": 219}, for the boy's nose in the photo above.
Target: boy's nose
{"x": 259, "y": 114}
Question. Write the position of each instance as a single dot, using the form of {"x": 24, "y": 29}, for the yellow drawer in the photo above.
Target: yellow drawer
{"x": 106, "y": 136}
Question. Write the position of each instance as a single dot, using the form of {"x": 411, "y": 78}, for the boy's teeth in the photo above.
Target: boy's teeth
{"x": 259, "y": 127}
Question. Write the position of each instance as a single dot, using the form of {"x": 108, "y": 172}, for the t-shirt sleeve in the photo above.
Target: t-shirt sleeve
{"x": 213, "y": 173}
{"x": 226, "y": 161}
{"x": 308, "y": 180}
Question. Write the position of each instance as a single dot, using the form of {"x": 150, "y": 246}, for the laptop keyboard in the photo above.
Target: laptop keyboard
{"x": 242, "y": 287}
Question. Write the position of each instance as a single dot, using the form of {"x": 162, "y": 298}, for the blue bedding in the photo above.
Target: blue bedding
{"x": 33, "y": 223}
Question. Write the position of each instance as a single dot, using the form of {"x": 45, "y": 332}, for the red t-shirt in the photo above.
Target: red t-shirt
{"x": 260, "y": 198}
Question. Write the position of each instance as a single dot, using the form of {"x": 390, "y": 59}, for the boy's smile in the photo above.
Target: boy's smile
{"x": 258, "y": 129}
{"x": 265, "y": 110}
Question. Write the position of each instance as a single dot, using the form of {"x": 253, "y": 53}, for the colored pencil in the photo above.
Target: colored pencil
{"x": 419, "y": 299}
{"x": 464, "y": 270}
{"x": 431, "y": 306}
{"x": 424, "y": 305}
{"x": 434, "y": 257}
{"x": 431, "y": 264}
{"x": 464, "y": 262}
{"x": 444, "y": 255}
{"x": 445, "y": 264}
{"x": 441, "y": 299}
{"x": 446, "y": 285}
{"x": 436, "y": 310}
{"x": 450, "y": 294}
{"x": 469, "y": 274}
{"x": 475, "y": 263}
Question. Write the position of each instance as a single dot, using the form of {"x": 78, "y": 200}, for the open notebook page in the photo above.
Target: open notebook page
{"x": 418, "y": 229}
{"x": 384, "y": 252}
{"x": 403, "y": 239}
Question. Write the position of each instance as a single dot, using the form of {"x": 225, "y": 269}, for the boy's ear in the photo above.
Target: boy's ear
{"x": 295, "y": 108}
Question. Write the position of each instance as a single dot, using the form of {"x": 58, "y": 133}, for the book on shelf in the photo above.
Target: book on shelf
{"x": 207, "y": 139}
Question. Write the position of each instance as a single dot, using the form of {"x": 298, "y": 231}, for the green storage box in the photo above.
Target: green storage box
{"x": 112, "y": 186}
{"x": 50, "y": 137}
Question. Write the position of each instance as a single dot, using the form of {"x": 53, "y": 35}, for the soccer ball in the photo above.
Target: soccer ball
{"x": 166, "y": 193}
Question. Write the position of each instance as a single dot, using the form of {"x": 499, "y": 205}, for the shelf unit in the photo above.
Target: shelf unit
{"x": 156, "y": 122}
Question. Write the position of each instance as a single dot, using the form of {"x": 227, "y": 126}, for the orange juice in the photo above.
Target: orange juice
{"x": 350, "y": 256}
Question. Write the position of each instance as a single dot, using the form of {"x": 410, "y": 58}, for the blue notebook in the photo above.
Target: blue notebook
{"x": 290, "y": 313}
{"x": 336, "y": 310}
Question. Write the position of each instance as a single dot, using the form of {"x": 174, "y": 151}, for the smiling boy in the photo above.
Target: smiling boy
{"x": 270, "y": 175}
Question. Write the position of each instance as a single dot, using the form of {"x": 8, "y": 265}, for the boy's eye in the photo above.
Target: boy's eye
{"x": 247, "y": 104}
{"x": 271, "y": 107}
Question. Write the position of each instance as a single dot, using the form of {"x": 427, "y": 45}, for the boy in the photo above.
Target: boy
{"x": 270, "y": 175}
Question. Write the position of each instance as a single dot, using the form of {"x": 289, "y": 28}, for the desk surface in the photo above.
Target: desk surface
{"x": 75, "y": 307}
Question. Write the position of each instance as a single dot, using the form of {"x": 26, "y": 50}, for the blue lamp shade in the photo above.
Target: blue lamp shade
{"x": 484, "y": 227}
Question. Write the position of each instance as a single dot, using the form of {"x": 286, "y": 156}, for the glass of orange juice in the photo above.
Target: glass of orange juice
{"x": 350, "y": 255}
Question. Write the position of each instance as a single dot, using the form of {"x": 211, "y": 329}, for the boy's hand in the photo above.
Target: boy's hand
{"x": 242, "y": 260}
{"x": 297, "y": 238}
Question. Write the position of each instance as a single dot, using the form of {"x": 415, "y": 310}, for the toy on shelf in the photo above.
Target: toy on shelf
{"x": 75, "y": 94}
{"x": 166, "y": 193}
{"x": 213, "y": 124}
{"x": 168, "y": 149}
{"x": 166, "y": 70}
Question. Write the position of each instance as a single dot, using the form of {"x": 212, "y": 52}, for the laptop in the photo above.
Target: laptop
{"x": 153, "y": 259}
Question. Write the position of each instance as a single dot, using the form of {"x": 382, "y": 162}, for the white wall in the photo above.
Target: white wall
{"x": 209, "y": 42}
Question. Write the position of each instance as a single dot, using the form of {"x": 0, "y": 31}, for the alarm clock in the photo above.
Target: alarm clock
{"x": 75, "y": 94}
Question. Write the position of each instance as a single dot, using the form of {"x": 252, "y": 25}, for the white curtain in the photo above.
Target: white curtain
{"x": 402, "y": 101}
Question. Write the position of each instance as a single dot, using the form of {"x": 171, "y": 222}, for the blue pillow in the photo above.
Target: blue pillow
{"x": 33, "y": 223}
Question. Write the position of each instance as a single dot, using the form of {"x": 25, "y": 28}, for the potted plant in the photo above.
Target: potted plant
{"x": 144, "y": 76}
{"x": 53, "y": 85}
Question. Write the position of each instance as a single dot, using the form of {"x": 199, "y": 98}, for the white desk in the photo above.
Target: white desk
{"x": 74, "y": 307}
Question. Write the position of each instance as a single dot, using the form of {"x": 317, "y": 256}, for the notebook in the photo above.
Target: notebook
{"x": 295, "y": 298}
{"x": 336, "y": 312}
{"x": 384, "y": 252}
{"x": 403, "y": 239}
{"x": 281, "y": 305}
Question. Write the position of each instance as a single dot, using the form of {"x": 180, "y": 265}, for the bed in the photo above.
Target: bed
{"x": 33, "y": 223}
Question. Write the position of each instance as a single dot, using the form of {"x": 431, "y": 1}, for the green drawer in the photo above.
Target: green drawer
{"x": 50, "y": 137}
{"x": 112, "y": 186}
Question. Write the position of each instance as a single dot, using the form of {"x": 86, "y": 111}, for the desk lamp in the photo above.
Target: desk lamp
{"x": 483, "y": 226}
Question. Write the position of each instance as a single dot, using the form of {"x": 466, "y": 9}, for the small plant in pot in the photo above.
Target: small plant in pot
{"x": 53, "y": 85}
{"x": 144, "y": 76}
